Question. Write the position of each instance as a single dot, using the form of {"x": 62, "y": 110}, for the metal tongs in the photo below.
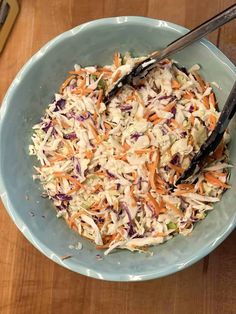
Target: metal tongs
{"x": 214, "y": 139}
{"x": 141, "y": 69}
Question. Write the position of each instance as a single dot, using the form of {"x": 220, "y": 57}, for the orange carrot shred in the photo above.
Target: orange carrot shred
{"x": 214, "y": 181}
{"x": 116, "y": 76}
{"x": 205, "y": 100}
{"x": 66, "y": 82}
{"x": 175, "y": 209}
{"x": 89, "y": 154}
{"x": 213, "y": 120}
{"x": 175, "y": 84}
{"x": 176, "y": 168}
{"x": 154, "y": 203}
{"x": 126, "y": 146}
{"x": 188, "y": 95}
{"x": 212, "y": 100}
{"x": 199, "y": 80}
{"x": 169, "y": 107}
{"x": 98, "y": 104}
{"x": 117, "y": 59}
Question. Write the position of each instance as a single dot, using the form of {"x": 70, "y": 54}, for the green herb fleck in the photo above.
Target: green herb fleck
{"x": 171, "y": 225}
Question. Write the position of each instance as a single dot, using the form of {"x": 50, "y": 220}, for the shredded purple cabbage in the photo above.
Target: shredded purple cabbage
{"x": 111, "y": 175}
{"x": 164, "y": 97}
{"x": 126, "y": 108}
{"x": 70, "y": 136}
{"x": 175, "y": 160}
{"x": 83, "y": 117}
{"x": 97, "y": 168}
{"x": 135, "y": 136}
{"x": 63, "y": 197}
{"x": 60, "y": 104}
{"x": 173, "y": 111}
{"x": 191, "y": 109}
{"x": 130, "y": 223}
{"x": 47, "y": 126}
{"x": 78, "y": 168}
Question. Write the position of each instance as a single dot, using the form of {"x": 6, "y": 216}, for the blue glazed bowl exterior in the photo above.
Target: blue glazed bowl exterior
{"x": 24, "y": 104}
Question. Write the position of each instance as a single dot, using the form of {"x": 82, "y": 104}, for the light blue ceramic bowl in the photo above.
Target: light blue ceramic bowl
{"x": 24, "y": 104}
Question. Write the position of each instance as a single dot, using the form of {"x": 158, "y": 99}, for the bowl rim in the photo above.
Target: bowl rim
{"x": 12, "y": 211}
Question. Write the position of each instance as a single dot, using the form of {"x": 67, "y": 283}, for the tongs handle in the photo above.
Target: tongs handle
{"x": 216, "y": 136}
{"x": 142, "y": 68}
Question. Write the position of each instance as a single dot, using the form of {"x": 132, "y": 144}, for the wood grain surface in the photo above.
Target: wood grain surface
{"x": 30, "y": 282}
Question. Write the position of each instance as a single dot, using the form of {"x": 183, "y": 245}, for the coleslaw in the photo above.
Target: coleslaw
{"x": 108, "y": 169}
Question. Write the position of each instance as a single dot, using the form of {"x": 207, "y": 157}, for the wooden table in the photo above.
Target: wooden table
{"x": 30, "y": 282}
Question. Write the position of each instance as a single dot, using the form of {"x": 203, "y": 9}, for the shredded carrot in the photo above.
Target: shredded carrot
{"x": 175, "y": 84}
{"x": 89, "y": 154}
{"x": 152, "y": 171}
{"x": 192, "y": 119}
{"x": 133, "y": 199}
{"x": 169, "y": 107}
{"x": 153, "y": 117}
{"x": 134, "y": 175}
{"x": 100, "y": 174}
{"x": 117, "y": 59}
{"x": 82, "y": 84}
{"x": 161, "y": 191}
{"x": 121, "y": 157}
{"x": 214, "y": 181}
{"x": 139, "y": 99}
{"x": 182, "y": 192}
{"x": 212, "y": 100}
{"x": 106, "y": 71}
{"x": 200, "y": 80}
{"x": 218, "y": 153}
{"x": 81, "y": 71}
{"x": 72, "y": 191}
{"x": 68, "y": 177}
{"x": 84, "y": 71}
{"x": 66, "y": 82}
{"x": 160, "y": 234}
{"x": 152, "y": 200}
{"x": 176, "y": 168}
{"x": 188, "y": 95}
{"x": 64, "y": 124}
{"x": 95, "y": 116}
{"x": 97, "y": 187}
{"x": 184, "y": 186}
{"x": 157, "y": 121}
{"x": 175, "y": 209}
{"x": 152, "y": 167}
{"x": 213, "y": 121}
{"x": 71, "y": 220}
{"x": 94, "y": 131}
{"x": 205, "y": 100}
{"x": 130, "y": 97}
{"x": 144, "y": 151}
{"x": 126, "y": 146}
{"x": 219, "y": 174}
{"x": 160, "y": 180}
{"x": 57, "y": 158}
{"x": 98, "y": 104}
{"x": 147, "y": 113}
{"x": 116, "y": 76}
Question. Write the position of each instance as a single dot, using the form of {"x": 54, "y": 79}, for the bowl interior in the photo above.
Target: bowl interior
{"x": 24, "y": 104}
